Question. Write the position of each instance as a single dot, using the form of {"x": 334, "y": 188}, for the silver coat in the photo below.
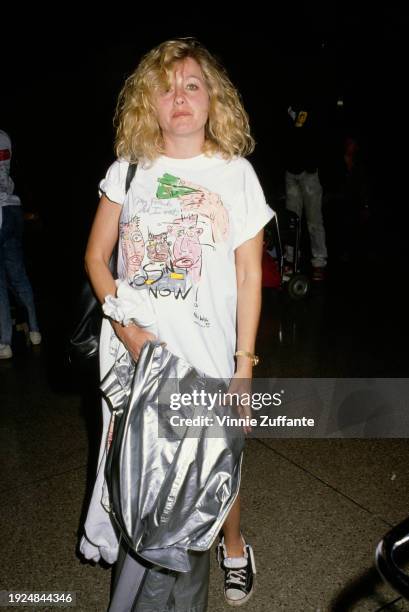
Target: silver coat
{"x": 170, "y": 487}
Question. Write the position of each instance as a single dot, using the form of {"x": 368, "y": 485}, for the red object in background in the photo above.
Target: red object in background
{"x": 350, "y": 150}
{"x": 4, "y": 154}
{"x": 270, "y": 271}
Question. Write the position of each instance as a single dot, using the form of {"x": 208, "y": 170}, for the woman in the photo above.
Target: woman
{"x": 190, "y": 233}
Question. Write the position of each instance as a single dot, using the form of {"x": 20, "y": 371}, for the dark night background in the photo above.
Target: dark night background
{"x": 62, "y": 76}
{"x": 323, "y": 504}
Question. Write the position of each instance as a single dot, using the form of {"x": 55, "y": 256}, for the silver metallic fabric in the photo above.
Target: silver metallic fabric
{"x": 170, "y": 488}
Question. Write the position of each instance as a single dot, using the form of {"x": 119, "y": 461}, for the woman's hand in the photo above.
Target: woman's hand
{"x": 133, "y": 338}
{"x": 241, "y": 384}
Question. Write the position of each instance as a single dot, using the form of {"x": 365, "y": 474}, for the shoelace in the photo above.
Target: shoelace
{"x": 237, "y": 576}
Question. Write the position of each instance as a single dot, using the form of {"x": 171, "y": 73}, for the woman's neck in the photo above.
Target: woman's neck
{"x": 183, "y": 148}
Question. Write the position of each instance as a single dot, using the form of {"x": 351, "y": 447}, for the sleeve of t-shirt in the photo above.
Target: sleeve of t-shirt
{"x": 113, "y": 185}
{"x": 255, "y": 213}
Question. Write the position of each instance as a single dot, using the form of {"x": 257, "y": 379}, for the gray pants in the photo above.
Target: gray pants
{"x": 305, "y": 190}
{"x": 140, "y": 587}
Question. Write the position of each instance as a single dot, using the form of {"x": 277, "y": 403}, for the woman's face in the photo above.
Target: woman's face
{"x": 183, "y": 110}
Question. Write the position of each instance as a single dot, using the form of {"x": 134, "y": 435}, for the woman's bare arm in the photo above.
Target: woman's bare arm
{"x": 101, "y": 243}
{"x": 249, "y": 276}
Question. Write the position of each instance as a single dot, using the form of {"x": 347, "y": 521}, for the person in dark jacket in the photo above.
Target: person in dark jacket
{"x": 302, "y": 183}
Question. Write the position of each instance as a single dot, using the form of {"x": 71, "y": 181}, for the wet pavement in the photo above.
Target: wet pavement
{"x": 314, "y": 510}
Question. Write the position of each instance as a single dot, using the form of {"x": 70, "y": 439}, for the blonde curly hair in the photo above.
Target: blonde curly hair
{"x": 138, "y": 135}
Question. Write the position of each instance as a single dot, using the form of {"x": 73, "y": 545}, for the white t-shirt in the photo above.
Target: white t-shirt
{"x": 180, "y": 223}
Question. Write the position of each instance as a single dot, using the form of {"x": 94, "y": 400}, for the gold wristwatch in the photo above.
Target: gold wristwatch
{"x": 254, "y": 358}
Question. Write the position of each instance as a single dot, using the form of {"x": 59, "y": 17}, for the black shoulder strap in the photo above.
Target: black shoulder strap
{"x": 129, "y": 176}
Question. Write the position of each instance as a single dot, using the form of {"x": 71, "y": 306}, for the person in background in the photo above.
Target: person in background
{"x": 12, "y": 269}
{"x": 303, "y": 189}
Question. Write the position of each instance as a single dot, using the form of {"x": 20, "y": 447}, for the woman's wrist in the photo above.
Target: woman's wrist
{"x": 242, "y": 356}
{"x": 245, "y": 374}
{"x": 244, "y": 368}
{"x": 245, "y": 362}
{"x": 116, "y": 326}
{"x": 119, "y": 328}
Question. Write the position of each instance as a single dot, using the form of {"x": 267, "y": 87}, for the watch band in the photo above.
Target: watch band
{"x": 254, "y": 358}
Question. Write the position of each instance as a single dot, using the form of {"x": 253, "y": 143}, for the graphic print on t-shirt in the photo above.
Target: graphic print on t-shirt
{"x": 164, "y": 250}
{"x": 187, "y": 250}
{"x": 132, "y": 246}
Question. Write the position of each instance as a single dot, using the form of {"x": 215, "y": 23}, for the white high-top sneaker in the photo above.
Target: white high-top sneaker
{"x": 35, "y": 337}
{"x": 239, "y": 574}
{"x": 5, "y": 351}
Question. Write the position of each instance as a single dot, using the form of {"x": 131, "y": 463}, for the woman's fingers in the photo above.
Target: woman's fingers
{"x": 134, "y": 338}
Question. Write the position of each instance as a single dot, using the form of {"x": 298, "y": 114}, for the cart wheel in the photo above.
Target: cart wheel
{"x": 298, "y": 286}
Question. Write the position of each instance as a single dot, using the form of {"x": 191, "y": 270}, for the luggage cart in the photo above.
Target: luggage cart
{"x": 287, "y": 225}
